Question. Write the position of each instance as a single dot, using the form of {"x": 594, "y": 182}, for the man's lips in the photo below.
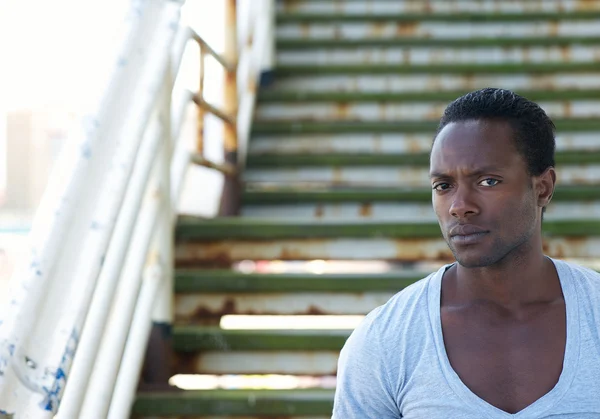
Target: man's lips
{"x": 464, "y": 230}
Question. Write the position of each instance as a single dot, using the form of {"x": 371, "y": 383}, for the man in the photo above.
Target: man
{"x": 505, "y": 331}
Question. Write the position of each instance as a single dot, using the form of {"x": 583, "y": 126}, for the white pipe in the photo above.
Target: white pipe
{"x": 133, "y": 356}
{"x": 163, "y": 309}
{"x": 99, "y": 393}
{"x": 107, "y": 282}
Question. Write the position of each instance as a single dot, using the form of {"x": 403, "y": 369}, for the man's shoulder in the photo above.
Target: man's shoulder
{"x": 580, "y": 273}
{"x": 402, "y": 308}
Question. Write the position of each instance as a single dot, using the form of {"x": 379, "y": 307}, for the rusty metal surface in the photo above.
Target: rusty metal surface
{"x": 390, "y": 30}
{"x": 399, "y": 211}
{"x": 384, "y": 143}
{"x": 227, "y": 251}
{"x": 436, "y": 6}
{"x": 444, "y": 55}
{"x": 386, "y": 176}
{"x": 257, "y": 362}
{"x": 373, "y": 111}
{"x": 191, "y": 308}
{"x": 393, "y": 83}
{"x": 230, "y": 99}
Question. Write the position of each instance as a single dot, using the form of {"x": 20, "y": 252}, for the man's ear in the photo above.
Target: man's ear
{"x": 544, "y": 186}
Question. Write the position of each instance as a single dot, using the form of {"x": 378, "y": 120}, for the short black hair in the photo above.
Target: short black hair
{"x": 533, "y": 129}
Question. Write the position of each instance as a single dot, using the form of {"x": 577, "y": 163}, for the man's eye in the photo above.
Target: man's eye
{"x": 489, "y": 182}
{"x": 441, "y": 187}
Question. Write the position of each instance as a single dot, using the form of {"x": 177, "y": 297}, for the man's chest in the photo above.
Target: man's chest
{"x": 506, "y": 362}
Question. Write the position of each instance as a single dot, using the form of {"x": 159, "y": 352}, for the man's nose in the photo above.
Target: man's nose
{"x": 463, "y": 203}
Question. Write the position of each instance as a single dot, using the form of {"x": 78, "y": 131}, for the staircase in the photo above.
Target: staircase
{"x": 337, "y": 170}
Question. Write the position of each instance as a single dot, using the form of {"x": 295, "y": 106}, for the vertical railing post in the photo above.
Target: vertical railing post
{"x": 231, "y": 190}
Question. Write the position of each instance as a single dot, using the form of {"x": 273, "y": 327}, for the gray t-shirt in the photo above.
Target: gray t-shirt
{"x": 395, "y": 365}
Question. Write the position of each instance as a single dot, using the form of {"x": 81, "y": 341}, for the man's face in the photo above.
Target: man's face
{"x": 482, "y": 194}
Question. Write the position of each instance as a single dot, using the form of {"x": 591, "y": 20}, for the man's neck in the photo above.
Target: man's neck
{"x": 512, "y": 284}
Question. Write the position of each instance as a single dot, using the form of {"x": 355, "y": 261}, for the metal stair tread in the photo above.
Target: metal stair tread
{"x": 295, "y": 17}
{"x": 195, "y": 338}
{"x": 223, "y": 280}
{"x": 235, "y": 402}
{"x": 412, "y": 126}
{"x": 191, "y": 228}
{"x": 404, "y": 159}
{"x": 287, "y": 44}
{"x": 288, "y": 195}
{"x": 467, "y": 68}
{"x": 277, "y": 95}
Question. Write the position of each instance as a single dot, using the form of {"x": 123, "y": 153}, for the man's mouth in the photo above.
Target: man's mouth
{"x": 467, "y": 234}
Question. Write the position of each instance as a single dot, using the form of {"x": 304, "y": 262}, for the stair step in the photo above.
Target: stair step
{"x": 209, "y": 308}
{"x": 279, "y": 95}
{"x": 288, "y": 44}
{"x": 398, "y": 212}
{"x": 450, "y": 55}
{"x": 397, "y": 195}
{"x": 399, "y": 112}
{"x": 369, "y": 29}
{"x": 195, "y": 229}
{"x": 224, "y": 241}
{"x": 463, "y": 17}
{"x": 223, "y": 252}
{"x": 408, "y": 126}
{"x": 401, "y": 69}
{"x": 224, "y": 281}
{"x": 377, "y": 143}
{"x": 317, "y": 363}
{"x": 408, "y": 159}
{"x": 246, "y": 403}
{"x": 426, "y": 83}
{"x": 435, "y": 6}
{"x": 197, "y": 338}
{"x": 320, "y": 177}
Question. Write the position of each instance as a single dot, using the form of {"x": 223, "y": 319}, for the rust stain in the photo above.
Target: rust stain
{"x": 366, "y": 210}
{"x": 377, "y": 29}
{"x": 470, "y": 81}
{"x": 567, "y": 108}
{"x": 342, "y": 110}
{"x": 554, "y": 27}
{"x": 292, "y": 5}
{"x": 586, "y": 5}
{"x": 406, "y": 28}
{"x": 415, "y": 144}
{"x": 382, "y": 110}
{"x": 305, "y": 30}
{"x": 338, "y": 176}
{"x": 319, "y": 211}
{"x": 565, "y": 53}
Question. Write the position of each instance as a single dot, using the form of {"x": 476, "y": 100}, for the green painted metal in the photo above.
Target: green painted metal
{"x": 198, "y": 338}
{"x": 414, "y": 159}
{"x": 220, "y": 281}
{"x": 479, "y": 17}
{"x": 196, "y": 229}
{"x": 298, "y": 196}
{"x": 341, "y": 126}
{"x": 464, "y": 69}
{"x": 227, "y": 403}
{"x": 320, "y": 43}
{"x": 275, "y": 95}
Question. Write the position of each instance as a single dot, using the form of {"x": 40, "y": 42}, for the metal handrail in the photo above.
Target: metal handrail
{"x": 101, "y": 251}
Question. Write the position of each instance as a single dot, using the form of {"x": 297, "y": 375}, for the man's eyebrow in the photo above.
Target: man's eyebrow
{"x": 477, "y": 172}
